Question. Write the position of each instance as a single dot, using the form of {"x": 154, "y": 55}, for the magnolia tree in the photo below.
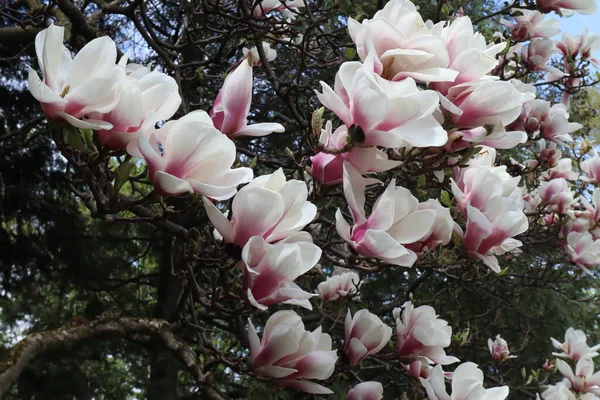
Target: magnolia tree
{"x": 332, "y": 189}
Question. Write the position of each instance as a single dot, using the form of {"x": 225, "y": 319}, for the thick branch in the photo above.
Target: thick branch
{"x": 68, "y": 335}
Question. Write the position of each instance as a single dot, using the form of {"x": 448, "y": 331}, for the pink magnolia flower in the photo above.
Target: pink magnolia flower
{"x": 485, "y": 102}
{"x": 401, "y": 45}
{"x": 547, "y": 157}
{"x": 575, "y": 346}
{"x": 591, "y": 167}
{"x": 495, "y": 136}
{"x": 583, "y": 379}
{"x": 583, "y": 250}
{"x": 190, "y": 155}
{"x": 287, "y": 8}
{"x": 467, "y": 384}
{"x": 254, "y": 57}
{"x": 566, "y": 8}
{"x": 441, "y": 234}
{"x": 145, "y": 97}
{"x": 560, "y": 391}
{"x": 382, "y": 113}
{"x": 531, "y": 24}
{"x": 484, "y": 237}
{"x": 366, "y": 391}
{"x": 72, "y": 89}
{"x": 269, "y": 206}
{"x": 365, "y": 334}
{"x": 549, "y": 365}
{"x": 395, "y": 221}
{"x": 552, "y": 123}
{"x": 343, "y": 284}
{"x": 581, "y": 46}
{"x": 578, "y": 221}
{"x": 480, "y": 184}
{"x": 417, "y": 369}
{"x": 291, "y": 354}
{"x": 270, "y": 270}
{"x": 557, "y": 195}
{"x": 493, "y": 205}
{"x": 591, "y": 214}
{"x": 468, "y": 52}
{"x": 563, "y": 169}
{"x": 537, "y": 55}
{"x": 232, "y": 105}
{"x": 327, "y": 168}
{"x": 499, "y": 349}
{"x": 422, "y": 335}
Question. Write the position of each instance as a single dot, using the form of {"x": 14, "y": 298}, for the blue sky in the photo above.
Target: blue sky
{"x": 575, "y": 24}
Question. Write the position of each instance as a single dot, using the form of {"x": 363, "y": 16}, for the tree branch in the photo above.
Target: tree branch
{"x": 71, "y": 334}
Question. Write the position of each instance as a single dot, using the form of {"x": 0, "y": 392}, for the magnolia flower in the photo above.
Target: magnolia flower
{"x": 591, "y": 215}
{"x": 583, "y": 379}
{"x": 441, "y": 232}
{"x": 382, "y": 113}
{"x": 537, "y": 54}
{"x": 395, "y": 220}
{"x": 327, "y": 168}
{"x": 552, "y": 123}
{"x": 417, "y": 369}
{"x": 73, "y": 89}
{"x": 344, "y": 284}
{"x": 531, "y": 24}
{"x": 578, "y": 221}
{"x": 489, "y": 135}
{"x": 499, "y": 349}
{"x": 549, "y": 365}
{"x": 145, "y": 97}
{"x": 232, "y": 105}
{"x": 468, "y": 52}
{"x": 291, "y": 354}
{"x": 254, "y": 57}
{"x": 478, "y": 185}
{"x": 485, "y": 102}
{"x": 575, "y": 346}
{"x": 364, "y": 335}
{"x": 401, "y": 45}
{"x": 591, "y": 167}
{"x": 422, "y": 335}
{"x": 560, "y": 391}
{"x": 493, "y": 205}
{"x": 287, "y": 8}
{"x": 566, "y": 8}
{"x": 270, "y": 269}
{"x": 467, "y": 384}
{"x": 557, "y": 195}
{"x": 583, "y": 250}
{"x": 269, "y": 206}
{"x": 190, "y": 155}
{"x": 366, "y": 391}
{"x": 563, "y": 169}
{"x": 547, "y": 157}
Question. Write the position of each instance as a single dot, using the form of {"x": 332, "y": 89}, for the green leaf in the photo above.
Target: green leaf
{"x": 503, "y": 272}
{"x": 88, "y": 136}
{"x": 121, "y": 175}
{"x": 350, "y": 53}
{"x": 445, "y": 198}
{"x": 421, "y": 180}
{"x": 74, "y": 138}
{"x": 317, "y": 120}
{"x": 445, "y": 10}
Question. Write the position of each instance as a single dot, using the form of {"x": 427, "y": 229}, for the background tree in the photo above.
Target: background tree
{"x": 130, "y": 294}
